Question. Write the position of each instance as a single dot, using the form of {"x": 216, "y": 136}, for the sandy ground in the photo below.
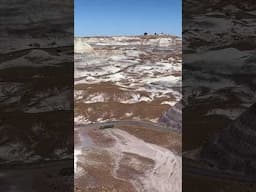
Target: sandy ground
{"x": 113, "y": 159}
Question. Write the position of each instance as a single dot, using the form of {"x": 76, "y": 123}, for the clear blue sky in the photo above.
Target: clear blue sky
{"x": 127, "y": 17}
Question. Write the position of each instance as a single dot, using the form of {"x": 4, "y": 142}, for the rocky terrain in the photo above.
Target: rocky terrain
{"x": 127, "y": 158}
{"x": 173, "y": 117}
{"x": 219, "y": 60}
{"x": 234, "y": 147}
{"x": 40, "y": 89}
{"x": 123, "y": 85}
{"x": 126, "y": 77}
{"x": 36, "y": 95}
{"x": 218, "y": 86}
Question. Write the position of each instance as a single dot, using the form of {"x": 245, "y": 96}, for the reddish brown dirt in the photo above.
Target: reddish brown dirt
{"x": 114, "y": 109}
{"x": 129, "y": 169}
{"x": 170, "y": 140}
{"x": 99, "y": 178}
{"x": 109, "y": 110}
{"x": 101, "y": 173}
{"x": 100, "y": 138}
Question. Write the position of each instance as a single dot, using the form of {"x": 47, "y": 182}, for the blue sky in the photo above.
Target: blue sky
{"x": 127, "y": 17}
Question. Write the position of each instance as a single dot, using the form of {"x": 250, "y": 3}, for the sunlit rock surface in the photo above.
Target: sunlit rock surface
{"x": 128, "y": 82}
{"x": 126, "y": 77}
{"x": 127, "y": 158}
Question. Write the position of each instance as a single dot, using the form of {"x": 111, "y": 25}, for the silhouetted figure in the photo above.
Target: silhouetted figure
{"x": 145, "y": 33}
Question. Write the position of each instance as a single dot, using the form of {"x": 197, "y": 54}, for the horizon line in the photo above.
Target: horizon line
{"x": 126, "y": 35}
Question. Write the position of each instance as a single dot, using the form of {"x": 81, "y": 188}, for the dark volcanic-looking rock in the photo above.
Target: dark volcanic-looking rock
{"x": 234, "y": 148}
{"x": 173, "y": 118}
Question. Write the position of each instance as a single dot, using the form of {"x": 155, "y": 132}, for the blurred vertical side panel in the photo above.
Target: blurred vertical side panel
{"x": 36, "y": 95}
{"x": 219, "y": 84}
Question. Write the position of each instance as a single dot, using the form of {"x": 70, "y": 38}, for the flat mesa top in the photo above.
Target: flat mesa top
{"x": 132, "y": 36}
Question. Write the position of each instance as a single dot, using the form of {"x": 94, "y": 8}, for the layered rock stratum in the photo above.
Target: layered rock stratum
{"x": 123, "y": 85}
{"x": 36, "y": 95}
{"x": 126, "y": 77}
{"x": 218, "y": 87}
{"x": 218, "y": 64}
